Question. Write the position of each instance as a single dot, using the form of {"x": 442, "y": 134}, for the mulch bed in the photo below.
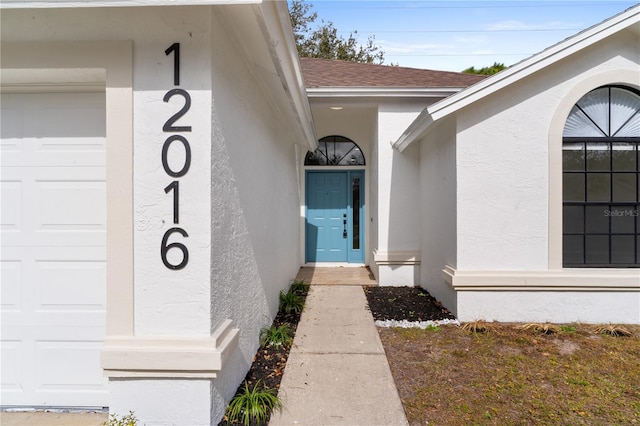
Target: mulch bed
{"x": 404, "y": 303}
{"x": 268, "y": 363}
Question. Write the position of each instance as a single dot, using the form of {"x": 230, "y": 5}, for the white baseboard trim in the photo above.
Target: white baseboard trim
{"x": 406, "y": 257}
{"x": 169, "y": 356}
{"x": 601, "y": 279}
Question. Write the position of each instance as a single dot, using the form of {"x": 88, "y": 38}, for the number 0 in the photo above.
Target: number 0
{"x": 187, "y": 156}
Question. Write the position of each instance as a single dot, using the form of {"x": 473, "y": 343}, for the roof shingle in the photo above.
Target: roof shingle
{"x": 334, "y": 73}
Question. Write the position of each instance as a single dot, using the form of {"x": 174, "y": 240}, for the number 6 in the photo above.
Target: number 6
{"x": 164, "y": 249}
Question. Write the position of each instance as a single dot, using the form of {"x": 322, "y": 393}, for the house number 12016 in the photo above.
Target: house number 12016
{"x": 174, "y": 187}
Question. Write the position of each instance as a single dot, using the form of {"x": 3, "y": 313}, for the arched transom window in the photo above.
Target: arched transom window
{"x": 601, "y": 180}
{"x": 335, "y": 151}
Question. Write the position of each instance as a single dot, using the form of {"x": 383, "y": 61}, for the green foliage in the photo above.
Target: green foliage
{"x": 324, "y": 42}
{"x": 124, "y": 420}
{"x": 300, "y": 287}
{"x": 276, "y": 336}
{"x": 291, "y": 302}
{"x": 490, "y": 70}
{"x": 255, "y": 404}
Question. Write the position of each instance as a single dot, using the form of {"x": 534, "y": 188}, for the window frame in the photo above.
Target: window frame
{"x": 614, "y": 210}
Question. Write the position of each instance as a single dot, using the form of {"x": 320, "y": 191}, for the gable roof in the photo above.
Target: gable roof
{"x": 627, "y": 19}
{"x": 334, "y": 73}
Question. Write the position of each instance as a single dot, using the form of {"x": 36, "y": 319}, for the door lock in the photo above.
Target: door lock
{"x": 344, "y": 223}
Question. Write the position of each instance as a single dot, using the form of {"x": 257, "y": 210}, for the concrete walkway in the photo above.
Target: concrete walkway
{"x": 337, "y": 372}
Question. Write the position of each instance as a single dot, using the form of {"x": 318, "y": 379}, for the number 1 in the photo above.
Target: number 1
{"x": 175, "y": 48}
{"x": 176, "y": 196}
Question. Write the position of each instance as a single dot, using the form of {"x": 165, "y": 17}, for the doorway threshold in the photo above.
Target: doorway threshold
{"x": 332, "y": 265}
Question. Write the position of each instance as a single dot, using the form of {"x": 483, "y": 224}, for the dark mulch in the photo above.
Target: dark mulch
{"x": 404, "y": 303}
{"x": 269, "y": 362}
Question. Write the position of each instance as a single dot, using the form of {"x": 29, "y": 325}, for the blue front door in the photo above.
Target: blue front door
{"x": 334, "y": 216}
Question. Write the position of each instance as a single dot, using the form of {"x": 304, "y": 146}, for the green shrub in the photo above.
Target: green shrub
{"x": 276, "y": 336}
{"x": 291, "y": 302}
{"x": 253, "y": 404}
{"x": 300, "y": 287}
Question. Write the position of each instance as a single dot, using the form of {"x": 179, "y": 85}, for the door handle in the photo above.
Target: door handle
{"x": 344, "y": 223}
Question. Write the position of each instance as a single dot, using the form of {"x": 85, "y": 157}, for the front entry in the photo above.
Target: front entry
{"x": 334, "y": 216}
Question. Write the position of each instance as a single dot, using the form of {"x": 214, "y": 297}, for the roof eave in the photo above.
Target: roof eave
{"x": 43, "y": 4}
{"x": 416, "y": 129}
{"x": 381, "y": 92}
{"x": 279, "y": 35}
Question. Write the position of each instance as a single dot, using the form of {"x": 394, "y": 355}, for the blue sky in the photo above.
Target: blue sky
{"x": 455, "y": 34}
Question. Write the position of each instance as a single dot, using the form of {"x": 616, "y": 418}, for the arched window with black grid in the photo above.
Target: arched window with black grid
{"x": 601, "y": 180}
{"x": 335, "y": 151}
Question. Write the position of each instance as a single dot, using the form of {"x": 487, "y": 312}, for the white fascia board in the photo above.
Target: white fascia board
{"x": 43, "y": 4}
{"x": 381, "y": 92}
{"x": 535, "y": 63}
{"x": 278, "y": 33}
{"x": 517, "y": 72}
{"x": 415, "y": 130}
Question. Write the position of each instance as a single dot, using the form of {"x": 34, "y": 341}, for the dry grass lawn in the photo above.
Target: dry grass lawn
{"x": 570, "y": 374}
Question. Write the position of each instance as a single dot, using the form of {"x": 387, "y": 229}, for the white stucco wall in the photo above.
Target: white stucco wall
{"x": 503, "y": 161}
{"x": 438, "y": 211}
{"x": 255, "y": 204}
{"x": 238, "y": 202}
{"x": 398, "y": 204}
{"x": 591, "y": 307}
{"x": 398, "y": 215}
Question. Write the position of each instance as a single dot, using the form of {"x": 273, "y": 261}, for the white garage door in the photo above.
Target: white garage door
{"x": 53, "y": 251}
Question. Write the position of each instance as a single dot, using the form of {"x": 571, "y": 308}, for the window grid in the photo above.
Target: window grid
{"x": 611, "y": 209}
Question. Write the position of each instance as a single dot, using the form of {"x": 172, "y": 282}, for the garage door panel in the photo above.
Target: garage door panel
{"x": 53, "y": 252}
{"x": 69, "y": 130}
{"x": 10, "y": 287}
{"x": 53, "y": 206}
{"x": 50, "y": 371}
{"x": 11, "y": 352}
{"x": 71, "y": 285}
{"x": 11, "y": 206}
{"x": 61, "y": 363}
{"x": 71, "y": 205}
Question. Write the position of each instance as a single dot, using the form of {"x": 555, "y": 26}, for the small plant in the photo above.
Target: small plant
{"x": 568, "y": 328}
{"x": 300, "y": 287}
{"x": 613, "y": 330}
{"x": 124, "y": 420}
{"x": 545, "y": 328}
{"x": 433, "y": 327}
{"x": 291, "y": 302}
{"x": 276, "y": 336}
{"x": 477, "y": 326}
{"x": 254, "y": 404}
